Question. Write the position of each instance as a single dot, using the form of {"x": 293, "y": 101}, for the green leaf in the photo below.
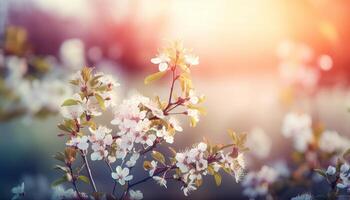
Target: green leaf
{"x": 63, "y": 128}
{"x": 70, "y": 102}
{"x": 59, "y": 156}
{"x": 94, "y": 80}
{"x": 154, "y": 77}
{"x": 217, "y": 178}
{"x": 74, "y": 82}
{"x": 84, "y": 179}
{"x": 59, "y": 181}
{"x": 320, "y": 172}
{"x": 100, "y": 101}
{"x": 59, "y": 167}
{"x": 211, "y": 170}
{"x": 86, "y": 73}
{"x": 158, "y": 156}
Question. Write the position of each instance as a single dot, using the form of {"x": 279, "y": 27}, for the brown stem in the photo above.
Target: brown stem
{"x": 74, "y": 182}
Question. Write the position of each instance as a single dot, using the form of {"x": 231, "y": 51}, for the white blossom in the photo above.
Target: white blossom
{"x": 188, "y": 188}
{"x": 79, "y": 142}
{"x": 153, "y": 167}
{"x": 344, "y": 176}
{"x": 164, "y": 133}
{"x": 133, "y": 159}
{"x": 175, "y": 124}
{"x": 331, "y": 170}
{"x": 162, "y": 60}
{"x": 194, "y": 113}
{"x": 135, "y": 195}
{"x": 100, "y": 139}
{"x": 160, "y": 180}
{"x": 331, "y": 142}
{"x": 60, "y": 193}
{"x": 191, "y": 59}
{"x": 122, "y": 175}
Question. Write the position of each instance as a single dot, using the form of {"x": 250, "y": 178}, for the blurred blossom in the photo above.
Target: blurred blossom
{"x": 94, "y": 54}
{"x": 59, "y": 193}
{"x": 259, "y": 143}
{"x": 256, "y": 184}
{"x": 38, "y": 187}
{"x": 325, "y": 62}
{"x": 72, "y": 54}
{"x": 18, "y": 191}
{"x": 331, "y": 141}
{"x": 299, "y": 66}
{"x": 303, "y": 197}
{"x": 281, "y": 168}
{"x": 299, "y": 128}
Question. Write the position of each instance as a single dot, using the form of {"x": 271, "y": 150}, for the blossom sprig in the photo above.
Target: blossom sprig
{"x": 94, "y": 96}
{"x": 338, "y": 176}
{"x": 178, "y": 61}
{"x": 189, "y": 167}
{"x": 142, "y": 124}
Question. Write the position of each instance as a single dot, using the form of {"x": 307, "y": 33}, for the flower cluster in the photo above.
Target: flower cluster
{"x": 140, "y": 125}
{"x": 189, "y": 167}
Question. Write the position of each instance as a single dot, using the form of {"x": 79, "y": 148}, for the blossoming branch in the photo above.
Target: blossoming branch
{"x": 139, "y": 126}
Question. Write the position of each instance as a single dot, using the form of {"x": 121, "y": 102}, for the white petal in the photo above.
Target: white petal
{"x": 163, "y": 66}
{"x": 156, "y": 60}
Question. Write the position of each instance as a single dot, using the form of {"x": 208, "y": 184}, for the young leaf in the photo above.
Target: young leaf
{"x": 154, "y": 77}
{"x": 59, "y": 181}
{"x": 211, "y": 170}
{"x": 63, "y": 128}
{"x": 320, "y": 172}
{"x": 86, "y": 73}
{"x": 217, "y": 178}
{"x": 59, "y": 167}
{"x": 193, "y": 122}
{"x": 70, "y": 102}
{"x": 147, "y": 165}
{"x": 158, "y": 156}
{"x": 84, "y": 179}
{"x": 59, "y": 156}
{"x": 100, "y": 101}
{"x": 70, "y": 154}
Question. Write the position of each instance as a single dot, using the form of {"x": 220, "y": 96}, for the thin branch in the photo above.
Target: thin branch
{"x": 115, "y": 181}
{"x": 74, "y": 182}
{"x": 89, "y": 172}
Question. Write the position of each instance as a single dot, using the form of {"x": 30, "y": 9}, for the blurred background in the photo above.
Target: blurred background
{"x": 249, "y": 51}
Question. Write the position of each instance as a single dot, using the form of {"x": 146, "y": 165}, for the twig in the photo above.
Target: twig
{"x": 115, "y": 181}
{"x": 74, "y": 182}
{"x": 89, "y": 171}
